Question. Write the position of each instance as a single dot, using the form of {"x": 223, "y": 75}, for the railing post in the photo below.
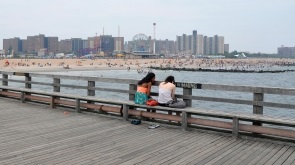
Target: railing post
{"x": 235, "y": 130}
{"x": 56, "y": 85}
{"x": 28, "y": 84}
{"x": 28, "y": 80}
{"x": 22, "y": 97}
{"x": 5, "y": 80}
{"x": 77, "y": 107}
{"x": 51, "y": 102}
{"x": 132, "y": 88}
{"x": 258, "y": 97}
{"x": 91, "y": 92}
{"x": 56, "y": 88}
{"x": 125, "y": 112}
{"x": 184, "y": 120}
{"x": 188, "y": 92}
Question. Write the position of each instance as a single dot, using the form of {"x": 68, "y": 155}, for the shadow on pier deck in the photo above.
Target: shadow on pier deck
{"x": 33, "y": 134}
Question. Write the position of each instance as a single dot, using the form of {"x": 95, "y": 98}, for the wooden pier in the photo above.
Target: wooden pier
{"x": 53, "y": 126}
{"x": 36, "y": 134}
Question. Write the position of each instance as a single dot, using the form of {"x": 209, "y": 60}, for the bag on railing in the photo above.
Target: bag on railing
{"x": 152, "y": 102}
{"x": 176, "y": 104}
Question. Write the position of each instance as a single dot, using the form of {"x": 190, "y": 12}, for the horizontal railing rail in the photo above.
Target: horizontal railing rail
{"x": 187, "y": 88}
{"x": 187, "y": 117}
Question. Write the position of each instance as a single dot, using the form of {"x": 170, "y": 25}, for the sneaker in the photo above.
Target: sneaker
{"x": 154, "y": 126}
{"x": 135, "y": 122}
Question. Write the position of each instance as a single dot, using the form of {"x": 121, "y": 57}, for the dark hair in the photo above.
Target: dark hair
{"x": 169, "y": 79}
{"x": 148, "y": 78}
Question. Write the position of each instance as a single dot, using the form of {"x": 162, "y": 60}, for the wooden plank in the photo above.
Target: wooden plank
{"x": 291, "y": 158}
{"x": 253, "y": 159}
{"x": 110, "y": 151}
{"x": 248, "y": 154}
{"x": 195, "y": 142}
{"x": 256, "y": 154}
{"x": 285, "y": 156}
{"x": 269, "y": 155}
{"x": 227, "y": 152}
{"x": 126, "y": 155}
{"x": 203, "y": 158}
{"x": 275, "y": 157}
{"x": 216, "y": 153}
{"x": 193, "y": 154}
{"x": 237, "y": 153}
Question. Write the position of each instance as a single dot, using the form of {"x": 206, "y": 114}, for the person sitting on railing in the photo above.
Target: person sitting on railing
{"x": 167, "y": 94}
{"x": 166, "y": 91}
{"x": 144, "y": 89}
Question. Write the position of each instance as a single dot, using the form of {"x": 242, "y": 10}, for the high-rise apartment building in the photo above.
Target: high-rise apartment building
{"x": 35, "y": 43}
{"x": 213, "y": 45}
{"x": 65, "y": 46}
{"x": 52, "y": 44}
{"x": 77, "y": 45}
{"x": 165, "y": 46}
{"x": 24, "y": 46}
{"x": 200, "y": 44}
{"x": 195, "y": 42}
{"x": 206, "y": 45}
{"x": 184, "y": 43}
{"x": 12, "y": 45}
{"x": 226, "y": 48}
{"x": 119, "y": 44}
{"x": 85, "y": 44}
{"x": 286, "y": 51}
{"x": 107, "y": 44}
{"x": 220, "y": 44}
{"x": 94, "y": 43}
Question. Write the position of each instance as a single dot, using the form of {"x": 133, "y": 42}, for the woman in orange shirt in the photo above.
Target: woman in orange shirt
{"x": 144, "y": 88}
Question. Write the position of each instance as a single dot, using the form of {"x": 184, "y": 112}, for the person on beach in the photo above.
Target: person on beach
{"x": 166, "y": 91}
{"x": 144, "y": 89}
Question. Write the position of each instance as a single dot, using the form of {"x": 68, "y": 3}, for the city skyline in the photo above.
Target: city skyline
{"x": 254, "y": 26}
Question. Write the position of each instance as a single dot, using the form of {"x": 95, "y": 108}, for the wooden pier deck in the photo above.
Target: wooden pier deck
{"x": 34, "y": 134}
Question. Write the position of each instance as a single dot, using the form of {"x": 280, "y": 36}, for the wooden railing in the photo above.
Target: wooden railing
{"x": 257, "y": 102}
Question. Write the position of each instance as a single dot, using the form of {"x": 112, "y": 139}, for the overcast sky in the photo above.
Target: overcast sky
{"x": 247, "y": 25}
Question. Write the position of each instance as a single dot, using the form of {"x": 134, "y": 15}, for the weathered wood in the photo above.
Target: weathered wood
{"x": 77, "y": 106}
{"x": 219, "y": 124}
{"x": 258, "y": 97}
{"x": 188, "y": 92}
{"x": 184, "y": 120}
{"x": 22, "y": 97}
{"x": 56, "y": 85}
{"x": 235, "y": 127}
{"x": 90, "y": 91}
{"x": 28, "y": 80}
{"x": 51, "y": 103}
{"x": 125, "y": 112}
{"x": 4, "y": 79}
{"x": 56, "y": 138}
{"x": 133, "y": 88}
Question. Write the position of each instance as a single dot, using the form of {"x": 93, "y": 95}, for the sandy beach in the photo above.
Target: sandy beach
{"x": 33, "y": 65}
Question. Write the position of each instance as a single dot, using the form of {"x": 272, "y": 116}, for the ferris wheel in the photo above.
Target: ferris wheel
{"x": 140, "y": 42}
